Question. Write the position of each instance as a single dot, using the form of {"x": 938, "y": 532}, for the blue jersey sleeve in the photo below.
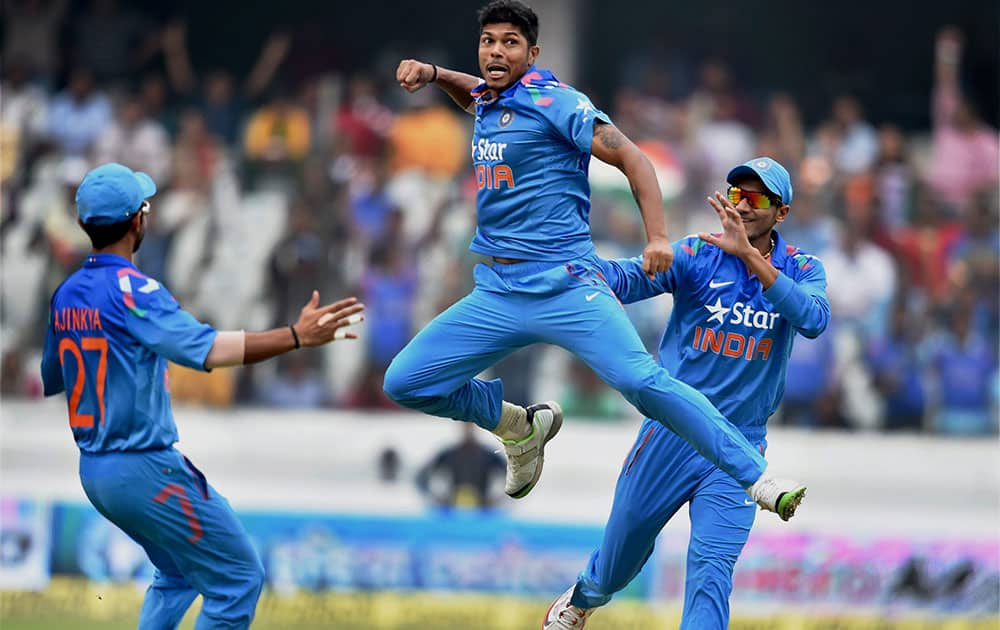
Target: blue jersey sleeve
{"x": 52, "y": 377}
{"x": 627, "y": 279}
{"x": 574, "y": 116}
{"x": 159, "y": 323}
{"x": 802, "y": 301}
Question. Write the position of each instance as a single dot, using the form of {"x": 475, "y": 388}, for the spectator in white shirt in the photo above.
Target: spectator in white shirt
{"x": 137, "y": 141}
{"x": 78, "y": 116}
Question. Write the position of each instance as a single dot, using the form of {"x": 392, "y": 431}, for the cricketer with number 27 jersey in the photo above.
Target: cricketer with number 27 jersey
{"x": 111, "y": 331}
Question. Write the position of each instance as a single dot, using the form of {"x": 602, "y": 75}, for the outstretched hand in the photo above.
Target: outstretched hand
{"x": 318, "y": 325}
{"x": 413, "y": 75}
{"x": 733, "y": 239}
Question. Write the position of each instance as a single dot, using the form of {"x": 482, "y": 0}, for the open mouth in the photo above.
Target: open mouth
{"x": 496, "y": 71}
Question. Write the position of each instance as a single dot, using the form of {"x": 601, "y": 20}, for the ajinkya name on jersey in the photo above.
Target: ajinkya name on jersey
{"x": 738, "y": 345}
{"x": 491, "y": 176}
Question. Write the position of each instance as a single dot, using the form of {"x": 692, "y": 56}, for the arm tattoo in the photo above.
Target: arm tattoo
{"x": 609, "y": 136}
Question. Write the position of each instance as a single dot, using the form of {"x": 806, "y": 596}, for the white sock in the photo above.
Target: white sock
{"x": 513, "y": 423}
{"x": 750, "y": 490}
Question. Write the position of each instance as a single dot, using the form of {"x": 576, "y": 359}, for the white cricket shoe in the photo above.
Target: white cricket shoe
{"x": 780, "y": 496}
{"x": 563, "y": 615}
{"x": 525, "y": 456}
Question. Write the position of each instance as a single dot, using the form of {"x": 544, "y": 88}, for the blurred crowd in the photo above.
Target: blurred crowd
{"x": 280, "y": 181}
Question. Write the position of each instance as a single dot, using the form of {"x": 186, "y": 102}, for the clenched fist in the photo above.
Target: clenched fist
{"x": 413, "y": 75}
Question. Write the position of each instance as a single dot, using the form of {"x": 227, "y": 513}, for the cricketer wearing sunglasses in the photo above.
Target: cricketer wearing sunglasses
{"x": 740, "y": 297}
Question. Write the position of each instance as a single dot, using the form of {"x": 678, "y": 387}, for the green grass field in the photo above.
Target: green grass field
{"x": 79, "y": 605}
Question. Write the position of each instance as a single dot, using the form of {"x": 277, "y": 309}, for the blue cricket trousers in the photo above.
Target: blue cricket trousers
{"x": 189, "y": 531}
{"x": 569, "y": 305}
{"x": 660, "y": 474}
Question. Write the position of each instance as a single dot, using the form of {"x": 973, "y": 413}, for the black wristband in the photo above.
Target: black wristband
{"x": 435, "y": 77}
{"x": 295, "y": 336}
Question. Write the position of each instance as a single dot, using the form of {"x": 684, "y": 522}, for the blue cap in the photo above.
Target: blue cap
{"x": 773, "y": 174}
{"x": 112, "y": 193}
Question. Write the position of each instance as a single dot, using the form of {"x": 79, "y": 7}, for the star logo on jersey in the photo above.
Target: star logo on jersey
{"x": 506, "y": 117}
{"x": 718, "y": 311}
{"x": 584, "y": 104}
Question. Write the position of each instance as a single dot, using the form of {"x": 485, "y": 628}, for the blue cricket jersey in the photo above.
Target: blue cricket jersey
{"x": 111, "y": 331}
{"x": 727, "y": 337}
{"x": 531, "y": 152}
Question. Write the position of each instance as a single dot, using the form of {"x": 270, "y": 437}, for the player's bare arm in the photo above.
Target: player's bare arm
{"x": 317, "y": 325}
{"x": 734, "y": 240}
{"x": 612, "y": 147}
{"x": 414, "y": 75}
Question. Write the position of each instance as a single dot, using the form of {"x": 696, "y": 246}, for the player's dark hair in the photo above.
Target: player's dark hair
{"x": 103, "y": 235}
{"x": 514, "y": 12}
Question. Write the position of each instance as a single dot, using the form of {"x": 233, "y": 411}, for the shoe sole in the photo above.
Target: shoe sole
{"x": 557, "y": 420}
{"x": 789, "y": 502}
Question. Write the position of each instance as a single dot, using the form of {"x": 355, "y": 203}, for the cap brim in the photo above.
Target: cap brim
{"x": 739, "y": 171}
{"x": 146, "y": 184}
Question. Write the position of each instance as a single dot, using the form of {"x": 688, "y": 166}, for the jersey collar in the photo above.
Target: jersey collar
{"x": 782, "y": 251}
{"x": 106, "y": 260}
{"x": 534, "y": 78}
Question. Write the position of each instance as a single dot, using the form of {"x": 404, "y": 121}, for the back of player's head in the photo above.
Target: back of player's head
{"x": 102, "y": 236}
{"x": 513, "y": 12}
{"x": 108, "y": 198}
{"x": 112, "y": 193}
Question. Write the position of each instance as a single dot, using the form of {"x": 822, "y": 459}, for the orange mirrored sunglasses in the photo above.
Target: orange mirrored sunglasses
{"x": 758, "y": 200}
